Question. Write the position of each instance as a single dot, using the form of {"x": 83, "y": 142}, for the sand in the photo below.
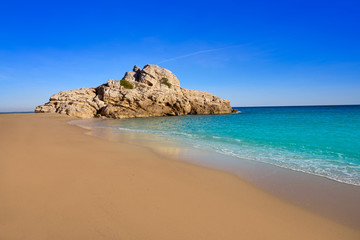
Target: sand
{"x": 58, "y": 183}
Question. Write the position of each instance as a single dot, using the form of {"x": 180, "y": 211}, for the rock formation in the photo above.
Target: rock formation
{"x": 147, "y": 92}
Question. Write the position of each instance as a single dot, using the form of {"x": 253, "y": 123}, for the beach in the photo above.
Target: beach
{"x": 59, "y": 183}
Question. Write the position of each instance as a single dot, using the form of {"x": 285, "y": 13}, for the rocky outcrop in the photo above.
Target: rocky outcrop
{"x": 147, "y": 92}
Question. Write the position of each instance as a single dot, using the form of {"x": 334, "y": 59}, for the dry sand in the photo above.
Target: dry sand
{"x": 58, "y": 183}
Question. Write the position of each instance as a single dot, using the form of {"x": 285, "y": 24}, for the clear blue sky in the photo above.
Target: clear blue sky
{"x": 254, "y": 53}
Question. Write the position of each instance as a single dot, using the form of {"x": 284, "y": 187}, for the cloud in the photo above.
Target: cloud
{"x": 199, "y": 52}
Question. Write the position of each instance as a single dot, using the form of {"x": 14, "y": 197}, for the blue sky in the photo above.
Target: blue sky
{"x": 255, "y": 53}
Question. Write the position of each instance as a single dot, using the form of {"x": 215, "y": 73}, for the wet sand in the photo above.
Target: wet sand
{"x": 58, "y": 183}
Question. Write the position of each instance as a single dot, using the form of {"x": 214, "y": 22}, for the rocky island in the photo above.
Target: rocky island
{"x": 151, "y": 91}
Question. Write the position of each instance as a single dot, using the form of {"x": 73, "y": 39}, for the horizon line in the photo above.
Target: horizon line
{"x": 264, "y": 106}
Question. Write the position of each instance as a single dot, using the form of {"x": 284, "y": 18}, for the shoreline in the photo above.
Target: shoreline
{"x": 325, "y": 196}
{"x": 60, "y": 183}
{"x": 330, "y": 198}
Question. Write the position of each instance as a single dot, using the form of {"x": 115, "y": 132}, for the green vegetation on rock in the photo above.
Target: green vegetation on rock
{"x": 126, "y": 84}
{"x": 166, "y": 82}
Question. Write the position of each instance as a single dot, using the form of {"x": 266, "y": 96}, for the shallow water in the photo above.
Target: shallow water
{"x": 319, "y": 140}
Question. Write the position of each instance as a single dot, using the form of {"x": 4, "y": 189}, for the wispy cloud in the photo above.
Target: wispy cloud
{"x": 200, "y": 52}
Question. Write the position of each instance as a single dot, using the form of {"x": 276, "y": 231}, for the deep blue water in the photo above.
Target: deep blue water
{"x": 320, "y": 140}
{"x": 15, "y": 112}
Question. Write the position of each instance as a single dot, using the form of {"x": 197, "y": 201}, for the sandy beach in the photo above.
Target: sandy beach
{"x": 58, "y": 183}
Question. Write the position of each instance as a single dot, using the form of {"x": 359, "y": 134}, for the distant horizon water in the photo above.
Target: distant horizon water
{"x": 17, "y": 112}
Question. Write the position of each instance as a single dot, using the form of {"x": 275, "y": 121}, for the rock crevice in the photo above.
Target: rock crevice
{"x": 155, "y": 92}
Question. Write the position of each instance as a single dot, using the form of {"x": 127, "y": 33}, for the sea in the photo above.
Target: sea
{"x": 317, "y": 140}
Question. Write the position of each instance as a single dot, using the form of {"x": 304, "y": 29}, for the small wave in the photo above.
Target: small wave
{"x": 332, "y": 169}
{"x": 343, "y": 174}
{"x": 154, "y": 131}
{"x": 238, "y": 112}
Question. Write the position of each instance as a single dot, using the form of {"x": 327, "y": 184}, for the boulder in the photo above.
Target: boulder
{"x": 151, "y": 91}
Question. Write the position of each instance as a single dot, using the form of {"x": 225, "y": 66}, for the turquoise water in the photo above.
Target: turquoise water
{"x": 319, "y": 140}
